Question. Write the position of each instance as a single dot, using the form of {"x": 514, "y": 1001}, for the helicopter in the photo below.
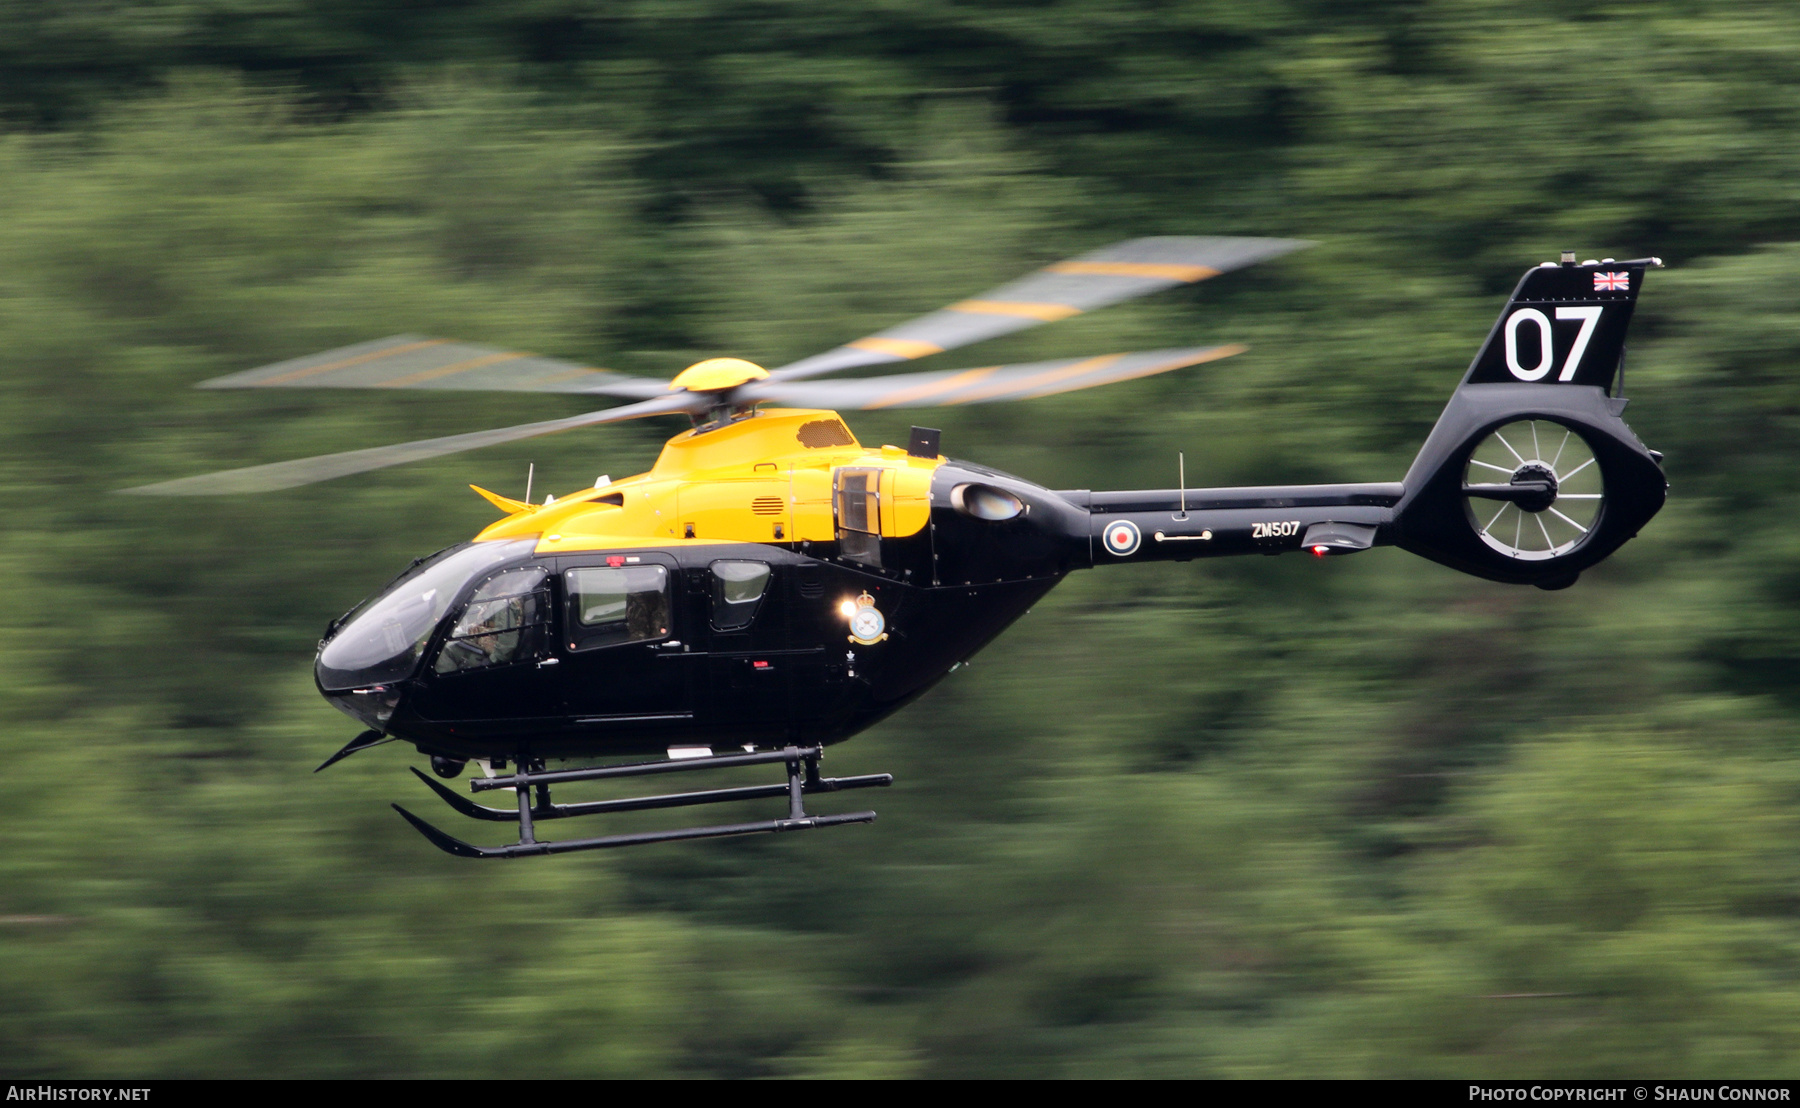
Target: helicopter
{"x": 772, "y": 586}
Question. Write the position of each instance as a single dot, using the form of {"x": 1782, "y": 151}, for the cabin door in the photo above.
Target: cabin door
{"x": 624, "y": 655}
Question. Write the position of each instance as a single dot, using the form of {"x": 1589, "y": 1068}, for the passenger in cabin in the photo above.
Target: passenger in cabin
{"x": 647, "y": 614}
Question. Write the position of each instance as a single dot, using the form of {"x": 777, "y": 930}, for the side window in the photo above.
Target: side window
{"x": 737, "y": 589}
{"x": 505, "y": 621}
{"x": 859, "y": 515}
{"x": 613, "y": 605}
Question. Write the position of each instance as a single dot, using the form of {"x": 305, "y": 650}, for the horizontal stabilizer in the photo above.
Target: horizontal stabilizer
{"x": 505, "y": 503}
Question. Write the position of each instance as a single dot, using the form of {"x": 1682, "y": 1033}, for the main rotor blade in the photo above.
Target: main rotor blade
{"x": 412, "y": 362}
{"x": 1118, "y": 272}
{"x": 980, "y": 386}
{"x": 323, "y": 467}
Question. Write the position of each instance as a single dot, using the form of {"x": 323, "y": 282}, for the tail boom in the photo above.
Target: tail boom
{"x": 1182, "y": 524}
{"x": 1575, "y": 486}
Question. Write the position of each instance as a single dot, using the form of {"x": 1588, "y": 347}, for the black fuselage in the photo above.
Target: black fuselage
{"x": 792, "y": 674}
{"x": 785, "y": 669}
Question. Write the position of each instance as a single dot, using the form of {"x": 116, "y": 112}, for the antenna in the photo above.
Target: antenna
{"x": 530, "y": 471}
{"x": 1181, "y": 478}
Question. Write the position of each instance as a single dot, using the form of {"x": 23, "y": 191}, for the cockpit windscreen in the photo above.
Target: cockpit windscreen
{"x": 382, "y": 639}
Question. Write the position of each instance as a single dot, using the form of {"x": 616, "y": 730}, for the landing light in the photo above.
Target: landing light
{"x": 848, "y": 608}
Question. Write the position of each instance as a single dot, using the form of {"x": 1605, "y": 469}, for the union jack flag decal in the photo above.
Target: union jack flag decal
{"x": 1612, "y": 282}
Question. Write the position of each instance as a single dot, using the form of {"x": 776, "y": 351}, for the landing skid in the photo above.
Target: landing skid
{"x": 802, "y": 764}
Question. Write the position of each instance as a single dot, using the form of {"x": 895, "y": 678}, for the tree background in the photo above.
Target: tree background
{"x": 1278, "y": 817}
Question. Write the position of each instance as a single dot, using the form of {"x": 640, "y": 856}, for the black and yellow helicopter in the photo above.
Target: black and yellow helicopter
{"x": 771, "y": 586}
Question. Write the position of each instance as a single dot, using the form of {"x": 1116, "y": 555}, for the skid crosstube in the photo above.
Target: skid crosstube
{"x": 802, "y": 763}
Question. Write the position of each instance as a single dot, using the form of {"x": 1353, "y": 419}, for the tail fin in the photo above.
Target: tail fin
{"x": 1565, "y": 324}
{"x": 1530, "y": 475}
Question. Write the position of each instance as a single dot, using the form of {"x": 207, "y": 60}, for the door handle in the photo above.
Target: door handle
{"x": 549, "y": 662}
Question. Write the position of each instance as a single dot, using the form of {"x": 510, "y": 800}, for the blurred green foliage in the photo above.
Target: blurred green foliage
{"x": 1351, "y": 818}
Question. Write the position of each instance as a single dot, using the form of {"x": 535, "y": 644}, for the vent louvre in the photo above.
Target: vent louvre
{"x": 766, "y": 505}
{"x": 821, "y": 433}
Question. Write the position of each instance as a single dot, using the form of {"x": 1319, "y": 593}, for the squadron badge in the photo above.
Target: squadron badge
{"x": 867, "y": 625}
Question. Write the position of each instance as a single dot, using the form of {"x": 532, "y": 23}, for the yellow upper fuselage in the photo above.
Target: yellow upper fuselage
{"x": 764, "y": 478}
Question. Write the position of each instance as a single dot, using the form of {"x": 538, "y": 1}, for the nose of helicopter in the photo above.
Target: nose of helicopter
{"x": 372, "y": 707}
{"x": 365, "y": 657}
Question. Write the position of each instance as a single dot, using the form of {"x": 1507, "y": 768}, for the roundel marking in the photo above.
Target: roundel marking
{"x": 1122, "y": 537}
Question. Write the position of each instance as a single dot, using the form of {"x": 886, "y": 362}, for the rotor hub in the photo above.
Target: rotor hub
{"x": 1536, "y": 473}
{"x": 717, "y": 373}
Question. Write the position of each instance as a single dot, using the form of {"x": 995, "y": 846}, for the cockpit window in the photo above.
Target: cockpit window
{"x": 738, "y": 588}
{"x": 613, "y": 605}
{"x": 503, "y": 622}
{"x": 381, "y": 640}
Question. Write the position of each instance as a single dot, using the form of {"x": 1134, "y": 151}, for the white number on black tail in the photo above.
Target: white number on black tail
{"x": 1590, "y": 319}
{"x": 1546, "y": 341}
{"x": 1564, "y": 325}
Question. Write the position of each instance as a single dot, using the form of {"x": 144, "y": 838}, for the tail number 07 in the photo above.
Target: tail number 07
{"x": 1590, "y": 319}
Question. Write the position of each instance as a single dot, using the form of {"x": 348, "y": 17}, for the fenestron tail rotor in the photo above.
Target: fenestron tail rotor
{"x": 1533, "y": 489}
{"x": 720, "y": 388}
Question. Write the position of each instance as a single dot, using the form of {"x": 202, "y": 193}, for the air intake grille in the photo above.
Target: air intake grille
{"x": 821, "y": 433}
{"x": 766, "y": 505}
